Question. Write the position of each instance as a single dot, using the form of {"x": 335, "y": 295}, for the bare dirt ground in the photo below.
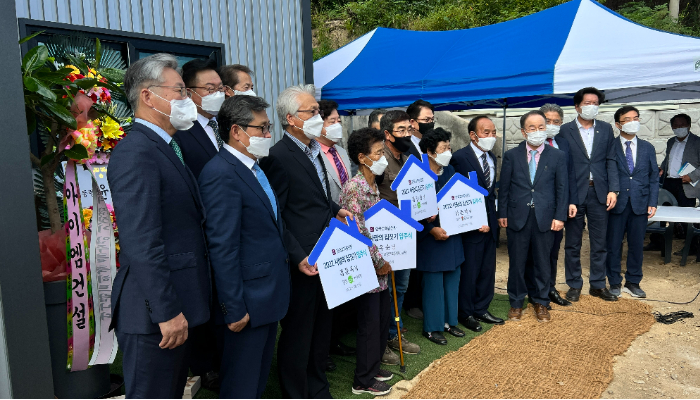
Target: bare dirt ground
{"x": 664, "y": 362}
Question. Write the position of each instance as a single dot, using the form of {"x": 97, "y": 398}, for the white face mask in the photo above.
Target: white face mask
{"x": 486, "y": 143}
{"x": 552, "y": 131}
{"x": 443, "y": 159}
{"x": 334, "y": 132}
{"x": 313, "y": 126}
{"x": 631, "y": 127}
{"x": 680, "y": 132}
{"x": 246, "y": 93}
{"x": 536, "y": 138}
{"x": 378, "y": 166}
{"x": 259, "y": 147}
{"x": 183, "y": 113}
{"x": 588, "y": 112}
{"x": 212, "y": 103}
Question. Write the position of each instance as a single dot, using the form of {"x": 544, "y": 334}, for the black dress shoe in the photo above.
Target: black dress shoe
{"x": 472, "y": 324}
{"x": 573, "y": 294}
{"x": 341, "y": 349}
{"x": 211, "y": 381}
{"x": 489, "y": 318}
{"x": 603, "y": 293}
{"x": 330, "y": 365}
{"x": 556, "y": 298}
{"x": 435, "y": 337}
{"x": 454, "y": 331}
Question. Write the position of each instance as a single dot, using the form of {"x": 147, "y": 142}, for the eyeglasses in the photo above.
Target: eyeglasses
{"x": 426, "y": 119}
{"x": 403, "y": 130}
{"x": 264, "y": 128}
{"x": 313, "y": 111}
{"x": 179, "y": 89}
{"x": 210, "y": 88}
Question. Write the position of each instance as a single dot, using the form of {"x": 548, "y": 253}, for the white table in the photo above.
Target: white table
{"x": 687, "y": 215}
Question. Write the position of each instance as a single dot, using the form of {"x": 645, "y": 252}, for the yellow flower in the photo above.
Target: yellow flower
{"x": 110, "y": 128}
{"x": 74, "y": 68}
{"x": 87, "y": 215}
{"x": 117, "y": 247}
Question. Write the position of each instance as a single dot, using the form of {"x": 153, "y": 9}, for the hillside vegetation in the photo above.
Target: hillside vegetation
{"x": 337, "y": 22}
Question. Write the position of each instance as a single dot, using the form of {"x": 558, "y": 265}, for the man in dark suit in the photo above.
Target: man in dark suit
{"x": 297, "y": 174}
{"x": 162, "y": 288}
{"x": 531, "y": 205}
{"x": 478, "y": 276}
{"x": 201, "y": 142}
{"x": 597, "y": 184}
{"x": 555, "y": 116}
{"x": 639, "y": 194}
{"x": 246, "y": 244}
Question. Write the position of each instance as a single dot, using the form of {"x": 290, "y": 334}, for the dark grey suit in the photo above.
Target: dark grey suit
{"x": 691, "y": 155}
{"x": 529, "y": 227}
{"x": 592, "y": 199}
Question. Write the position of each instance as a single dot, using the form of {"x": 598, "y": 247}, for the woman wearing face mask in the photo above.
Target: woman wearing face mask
{"x": 366, "y": 147}
{"x": 439, "y": 255}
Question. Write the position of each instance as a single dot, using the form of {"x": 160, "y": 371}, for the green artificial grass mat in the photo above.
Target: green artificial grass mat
{"x": 342, "y": 378}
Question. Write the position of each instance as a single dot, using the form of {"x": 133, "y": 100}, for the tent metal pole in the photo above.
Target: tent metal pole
{"x": 503, "y": 148}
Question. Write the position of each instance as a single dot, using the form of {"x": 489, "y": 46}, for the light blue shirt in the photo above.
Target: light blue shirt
{"x": 155, "y": 128}
{"x": 312, "y": 151}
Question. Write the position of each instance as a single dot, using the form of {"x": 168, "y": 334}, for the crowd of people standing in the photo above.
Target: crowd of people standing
{"x": 217, "y": 223}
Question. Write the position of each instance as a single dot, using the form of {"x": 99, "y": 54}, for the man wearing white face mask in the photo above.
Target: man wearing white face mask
{"x": 639, "y": 192}
{"x": 246, "y": 248}
{"x": 597, "y": 184}
{"x": 478, "y": 273}
{"x": 162, "y": 288}
{"x": 531, "y": 206}
{"x": 202, "y": 141}
{"x": 334, "y": 157}
{"x": 298, "y": 176}
{"x": 237, "y": 79}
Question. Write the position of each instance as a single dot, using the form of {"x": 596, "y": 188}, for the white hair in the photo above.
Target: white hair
{"x": 144, "y": 73}
{"x": 288, "y": 103}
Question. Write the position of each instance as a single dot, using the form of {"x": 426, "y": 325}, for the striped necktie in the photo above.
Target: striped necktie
{"x": 215, "y": 127}
{"x": 342, "y": 173}
{"x": 487, "y": 170}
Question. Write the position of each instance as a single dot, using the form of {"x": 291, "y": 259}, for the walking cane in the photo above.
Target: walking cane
{"x": 397, "y": 319}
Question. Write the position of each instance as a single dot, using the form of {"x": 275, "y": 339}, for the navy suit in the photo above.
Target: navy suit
{"x": 572, "y": 198}
{"x": 592, "y": 199}
{"x": 197, "y": 148}
{"x": 478, "y": 275}
{"x": 529, "y": 227}
{"x": 251, "y": 271}
{"x": 164, "y": 268}
{"x": 639, "y": 190}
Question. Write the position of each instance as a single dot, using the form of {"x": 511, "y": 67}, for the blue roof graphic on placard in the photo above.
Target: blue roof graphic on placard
{"x": 424, "y": 164}
{"x": 403, "y": 214}
{"x": 472, "y": 182}
{"x": 351, "y": 229}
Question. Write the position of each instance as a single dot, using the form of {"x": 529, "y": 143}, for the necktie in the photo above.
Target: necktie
{"x": 262, "y": 179}
{"x": 628, "y": 156}
{"x": 178, "y": 152}
{"x": 550, "y": 142}
{"x": 339, "y": 165}
{"x": 487, "y": 170}
{"x": 215, "y": 127}
{"x": 533, "y": 165}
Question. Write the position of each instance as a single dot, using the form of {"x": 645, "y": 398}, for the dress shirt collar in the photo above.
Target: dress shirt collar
{"x": 314, "y": 147}
{"x": 416, "y": 142}
{"x": 539, "y": 149}
{"x": 324, "y": 148}
{"x": 247, "y": 161}
{"x": 204, "y": 121}
{"x": 684, "y": 141}
{"x": 633, "y": 140}
{"x": 477, "y": 151}
{"x": 155, "y": 128}
{"x": 578, "y": 123}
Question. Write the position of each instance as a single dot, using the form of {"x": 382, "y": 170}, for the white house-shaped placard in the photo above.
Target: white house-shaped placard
{"x": 416, "y": 182}
{"x": 344, "y": 263}
{"x": 393, "y": 231}
{"x": 462, "y": 204}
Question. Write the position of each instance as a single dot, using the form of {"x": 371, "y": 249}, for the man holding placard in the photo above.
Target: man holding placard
{"x": 476, "y": 285}
{"x": 397, "y": 130}
{"x": 531, "y": 205}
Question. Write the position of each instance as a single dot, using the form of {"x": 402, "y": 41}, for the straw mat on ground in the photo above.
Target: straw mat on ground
{"x": 569, "y": 357}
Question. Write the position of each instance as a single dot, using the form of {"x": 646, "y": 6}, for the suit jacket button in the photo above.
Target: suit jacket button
{"x": 630, "y": 177}
{"x": 287, "y": 260}
{"x": 533, "y": 190}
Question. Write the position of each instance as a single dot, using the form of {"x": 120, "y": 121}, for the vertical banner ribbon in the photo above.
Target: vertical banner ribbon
{"x": 103, "y": 264}
{"x": 79, "y": 307}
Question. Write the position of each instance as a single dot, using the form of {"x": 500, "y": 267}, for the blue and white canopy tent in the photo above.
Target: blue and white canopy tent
{"x": 538, "y": 58}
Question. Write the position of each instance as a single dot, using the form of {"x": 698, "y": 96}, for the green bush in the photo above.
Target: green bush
{"x": 656, "y": 17}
